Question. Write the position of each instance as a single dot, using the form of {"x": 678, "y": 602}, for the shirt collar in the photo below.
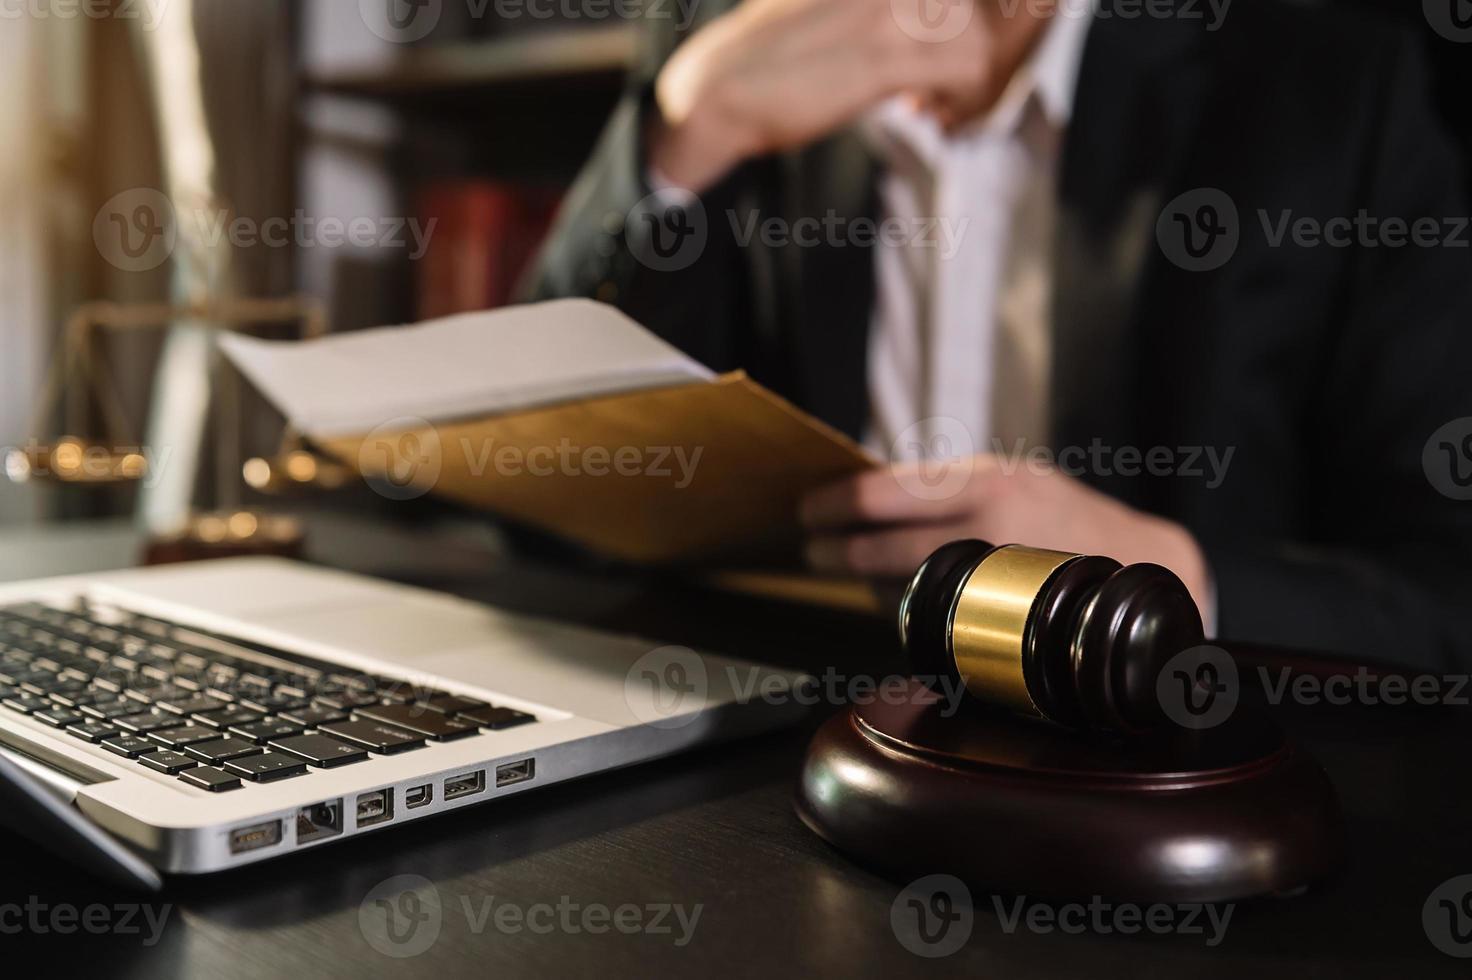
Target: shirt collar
{"x": 1048, "y": 78}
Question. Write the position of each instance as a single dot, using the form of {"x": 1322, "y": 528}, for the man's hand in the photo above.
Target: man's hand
{"x": 871, "y": 525}
{"x": 776, "y": 74}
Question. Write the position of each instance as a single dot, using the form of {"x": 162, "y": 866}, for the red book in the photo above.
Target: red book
{"x": 485, "y": 234}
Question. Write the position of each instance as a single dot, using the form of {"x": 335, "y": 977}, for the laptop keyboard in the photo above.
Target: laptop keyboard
{"x": 215, "y": 712}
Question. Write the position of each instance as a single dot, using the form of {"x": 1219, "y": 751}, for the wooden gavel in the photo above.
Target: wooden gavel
{"x": 1077, "y": 640}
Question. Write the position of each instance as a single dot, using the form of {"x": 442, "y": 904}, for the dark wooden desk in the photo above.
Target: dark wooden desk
{"x": 717, "y": 828}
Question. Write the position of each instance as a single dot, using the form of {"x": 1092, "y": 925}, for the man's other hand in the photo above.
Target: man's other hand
{"x": 875, "y": 525}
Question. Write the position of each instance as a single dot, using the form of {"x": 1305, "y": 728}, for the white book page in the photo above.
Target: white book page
{"x": 466, "y": 366}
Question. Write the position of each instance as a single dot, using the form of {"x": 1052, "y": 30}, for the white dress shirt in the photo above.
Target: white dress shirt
{"x": 960, "y": 341}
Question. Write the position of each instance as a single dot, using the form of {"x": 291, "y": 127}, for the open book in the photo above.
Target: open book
{"x": 567, "y": 416}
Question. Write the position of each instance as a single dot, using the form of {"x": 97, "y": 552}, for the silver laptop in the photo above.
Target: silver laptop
{"x": 211, "y": 715}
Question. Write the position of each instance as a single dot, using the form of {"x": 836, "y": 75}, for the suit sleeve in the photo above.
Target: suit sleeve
{"x": 671, "y": 262}
{"x": 1393, "y": 582}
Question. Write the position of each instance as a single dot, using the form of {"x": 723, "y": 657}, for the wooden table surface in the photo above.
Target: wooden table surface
{"x": 714, "y": 830}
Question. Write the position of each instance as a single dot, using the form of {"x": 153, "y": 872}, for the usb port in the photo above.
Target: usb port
{"x": 418, "y": 796}
{"x": 375, "y": 807}
{"x": 255, "y": 836}
{"x": 466, "y": 785}
{"x": 515, "y": 772}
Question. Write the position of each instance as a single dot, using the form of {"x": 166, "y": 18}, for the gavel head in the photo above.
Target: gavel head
{"x": 1074, "y": 639}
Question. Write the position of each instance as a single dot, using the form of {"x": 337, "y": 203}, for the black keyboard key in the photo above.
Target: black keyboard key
{"x": 165, "y": 761}
{"x": 264, "y": 731}
{"x": 314, "y": 715}
{"x": 26, "y": 703}
{"x": 59, "y": 717}
{"x": 131, "y": 746}
{"x": 210, "y": 778}
{"x": 177, "y": 738}
{"x": 222, "y": 749}
{"x": 453, "y": 704}
{"x": 372, "y": 735}
{"x": 146, "y": 721}
{"x": 192, "y": 705}
{"x": 51, "y": 684}
{"x": 401, "y": 692}
{"x": 92, "y": 731}
{"x": 498, "y": 718}
{"x": 108, "y": 710}
{"x": 350, "y": 698}
{"x": 270, "y": 703}
{"x": 421, "y": 721}
{"x": 267, "y": 766}
{"x": 76, "y": 699}
{"x": 228, "y": 718}
{"x": 320, "y": 750}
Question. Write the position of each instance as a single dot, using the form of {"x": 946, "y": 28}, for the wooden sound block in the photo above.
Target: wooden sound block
{"x": 1022, "y": 807}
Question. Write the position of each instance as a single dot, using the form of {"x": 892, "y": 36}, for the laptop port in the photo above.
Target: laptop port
{"x": 466, "y": 785}
{"x": 255, "y": 836}
{"x": 318, "y": 821}
{"x": 515, "y": 772}
{"x": 375, "y": 807}
{"x": 418, "y": 796}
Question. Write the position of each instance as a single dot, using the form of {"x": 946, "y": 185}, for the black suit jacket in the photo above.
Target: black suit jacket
{"x": 1324, "y": 370}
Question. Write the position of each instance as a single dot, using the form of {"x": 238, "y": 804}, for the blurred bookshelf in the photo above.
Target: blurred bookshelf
{"x": 480, "y": 134}
{"x": 479, "y": 71}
